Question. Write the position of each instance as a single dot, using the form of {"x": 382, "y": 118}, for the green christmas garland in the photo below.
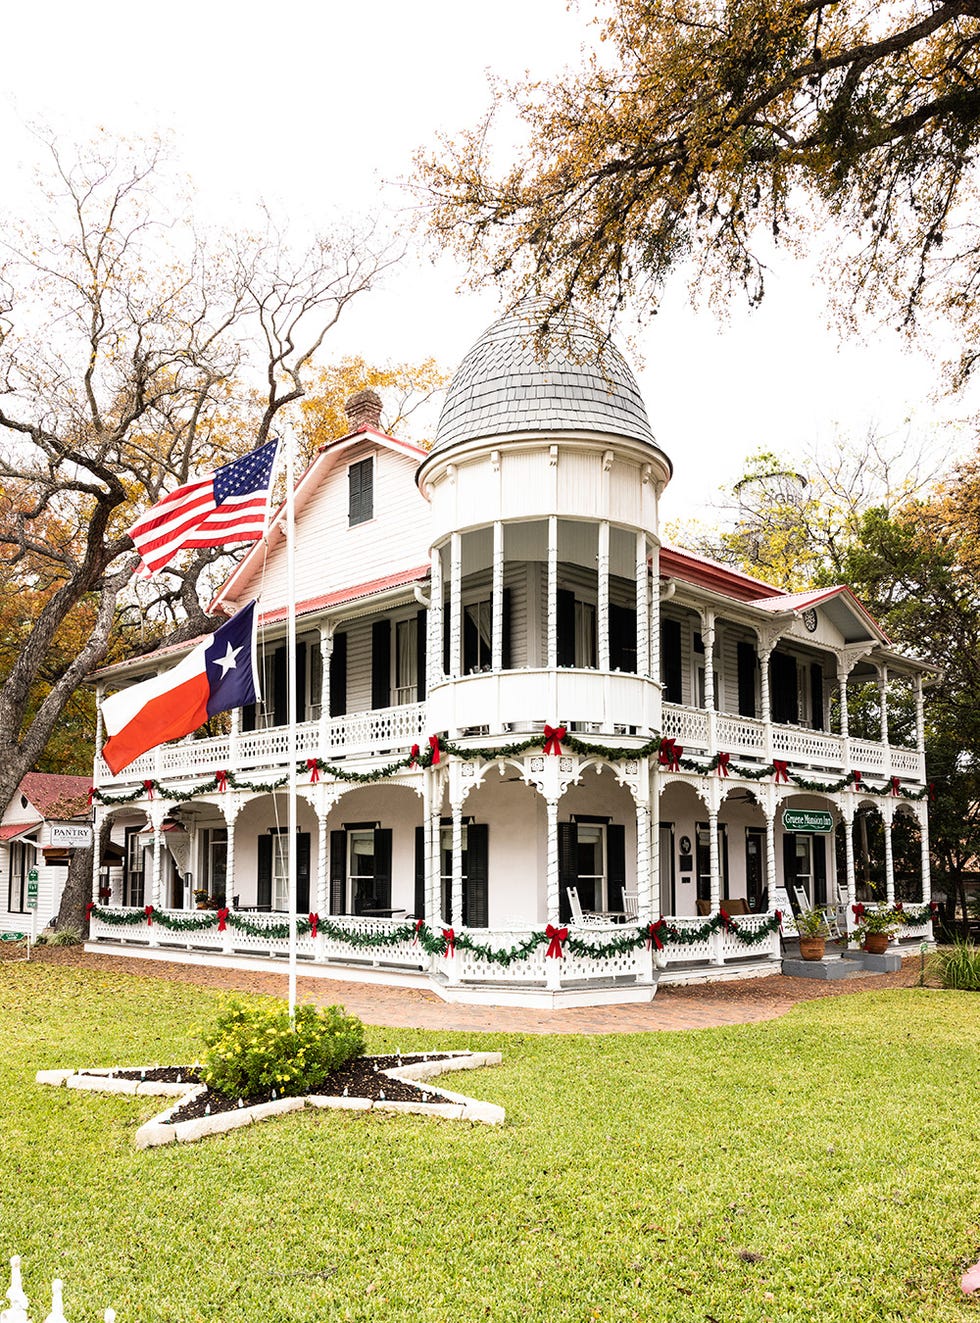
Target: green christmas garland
{"x": 630, "y": 939}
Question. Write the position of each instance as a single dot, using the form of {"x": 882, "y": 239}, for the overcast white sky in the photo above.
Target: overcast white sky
{"x": 316, "y": 107}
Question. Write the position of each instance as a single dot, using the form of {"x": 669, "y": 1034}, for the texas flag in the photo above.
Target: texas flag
{"x": 219, "y": 674}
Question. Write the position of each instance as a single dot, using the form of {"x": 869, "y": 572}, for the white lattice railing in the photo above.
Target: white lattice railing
{"x": 687, "y": 725}
{"x": 741, "y": 735}
{"x": 384, "y": 730}
{"x": 700, "y": 951}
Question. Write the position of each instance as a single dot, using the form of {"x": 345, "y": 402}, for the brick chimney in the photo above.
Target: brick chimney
{"x": 364, "y": 410}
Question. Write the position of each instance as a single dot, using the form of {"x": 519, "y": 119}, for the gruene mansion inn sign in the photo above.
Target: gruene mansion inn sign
{"x": 807, "y": 820}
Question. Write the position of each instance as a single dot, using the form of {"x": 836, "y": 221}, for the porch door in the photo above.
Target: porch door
{"x": 755, "y": 867}
{"x": 360, "y": 869}
{"x": 133, "y": 877}
{"x": 668, "y": 878}
{"x": 592, "y": 858}
{"x": 17, "y": 893}
{"x": 805, "y": 866}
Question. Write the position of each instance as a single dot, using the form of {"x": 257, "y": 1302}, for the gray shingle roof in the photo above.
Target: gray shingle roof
{"x": 512, "y": 381}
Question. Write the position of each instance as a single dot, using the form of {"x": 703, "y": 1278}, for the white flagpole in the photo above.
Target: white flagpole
{"x": 291, "y": 827}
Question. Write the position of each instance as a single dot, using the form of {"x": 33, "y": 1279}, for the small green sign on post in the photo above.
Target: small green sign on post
{"x": 32, "y": 889}
{"x": 813, "y": 820}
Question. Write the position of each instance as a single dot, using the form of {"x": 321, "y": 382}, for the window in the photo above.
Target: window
{"x": 360, "y": 870}
{"x": 214, "y": 861}
{"x": 591, "y": 857}
{"x": 17, "y": 894}
{"x": 704, "y": 860}
{"x": 406, "y": 660}
{"x": 134, "y": 867}
{"x": 361, "y": 492}
{"x": 477, "y": 637}
{"x": 474, "y": 868}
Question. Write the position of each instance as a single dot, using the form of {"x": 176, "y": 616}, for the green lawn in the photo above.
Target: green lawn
{"x": 822, "y": 1166}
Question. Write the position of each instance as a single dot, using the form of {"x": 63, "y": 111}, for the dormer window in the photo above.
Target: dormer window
{"x": 361, "y": 490}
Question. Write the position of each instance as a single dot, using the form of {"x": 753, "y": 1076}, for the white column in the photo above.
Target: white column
{"x": 433, "y": 891}
{"x": 455, "y": 603}
{"x": 708, "y": 639}
{"x": 654, "y": 632}
{"x": 553, "y": 593}
{"x": 433, "y": 651}
{"x": 457, "y": 885}
{"x": 851, "y": 877}
{"x": 920, "y": 727}
{"x": 230, "y": 888}
{"x": 713, "y": 861}
{"x": 497, "y": 594}
{"x": 771, "y": 858}
{"x": 766, "y": 699}
{"x": 602, "y": 597}
{"x": 888, "y": 816}
{"x": 883, "y": 701}
{"x": 655, "y": 903}
{"x": 96, "y": 860}
{"x": 642, "y": 607}
{"x": 552, "y": 878}
{"x": 643, "y": 856}
{"x": 924, "y": 854}
{"x": 99, "y": 735}
{"x": 322, "y": 865}
{"x": 326, "y": 654}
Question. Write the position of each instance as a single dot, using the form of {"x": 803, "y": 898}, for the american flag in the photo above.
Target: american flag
{"x": 229, "y": 506}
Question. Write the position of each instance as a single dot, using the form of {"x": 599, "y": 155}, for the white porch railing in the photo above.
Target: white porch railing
{"x": 385, "y": 730}
{"x": 745, "y": 737}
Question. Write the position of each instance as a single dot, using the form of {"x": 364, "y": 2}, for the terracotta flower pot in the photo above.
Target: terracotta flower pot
{"x": 877, "y": 943}
{"x": 812, "y": 948}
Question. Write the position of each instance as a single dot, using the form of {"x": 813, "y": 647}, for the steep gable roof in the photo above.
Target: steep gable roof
{"x": 54, "y": 795}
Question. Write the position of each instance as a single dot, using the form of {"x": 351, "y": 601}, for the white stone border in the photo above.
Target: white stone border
{"x": 158, "y": 1130}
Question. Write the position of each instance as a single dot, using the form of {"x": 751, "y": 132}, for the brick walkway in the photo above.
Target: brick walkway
{"x": 701, "y": 1007}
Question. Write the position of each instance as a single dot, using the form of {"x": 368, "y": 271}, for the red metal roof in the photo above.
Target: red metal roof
{"x": 349, "y": 594}
{"x": 676, "y": 564}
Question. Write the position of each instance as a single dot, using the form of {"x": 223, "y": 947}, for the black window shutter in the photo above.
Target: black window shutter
{"x": 421, "y": 625}
{"x": 470, "y": 643}
{"x": 382, "y": 867}
{"x": 263, "y": 893}
{"x": 818, "y": 846}
{"x": 816, "y": 694}
{"x": 567, "y": 873}
{"x": 566, "y": 627}
{"x": 381, "y": 663}
{"x": 670, "y": 660}
{"x": 785, "y": 698}
{"x": 746, "y": 679}
{"x": 447, "y": 625}
{"x": 300, "y": 682}
{"x": 361, "y": 491}
{"x": 476, "y": 898}
{"x": 303, "y": 872}
{"x": 338, "y": 676}
{"x": 420, "y": 872}
{"x": 280, "y": 714}
{"x": 622, "y": 638}
{"x": 338, "y": 872}
{"x": 506, "y": 659}
{"x": 615, "y": 864}
{"x": 248, "y": 717}
{"x": 789, "y": 866}
{"x": 723, "y": 859}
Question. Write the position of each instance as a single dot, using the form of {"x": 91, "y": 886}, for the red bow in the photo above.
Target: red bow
{"x": 148, "y": 787}
{"x": 670, "y": 755}
{"x": 413, "y": 757}
{"x": 419, "y": 925}
{"x": 313, "y": 767}
{"x": 933, "y": 911}
{"x": 91, "y": 795}
{"x": 88, "y": 910}
{"x": 780, "y": 770}
{"x": 223, "y": 918}
{"x": 895, "y": 785}
{"x": 434, "y": 746}
{"x": 778, "y": 916}
{"x": 148, "y": 911}
{"x": 856, "y": 777}
{"x": 723, "y": 760}
{"x": 858, "y": 911}
{"x": 653, "y": 933}
{"x": 898, "y": 907}
{"x": 557, "y": 936}
{"x": 553, "y": 736}
{"x": 314, "y": 924}
{"x": 222, "y": 779}
{"x": 449, "y": 937}
{"x": 726, "y": 918}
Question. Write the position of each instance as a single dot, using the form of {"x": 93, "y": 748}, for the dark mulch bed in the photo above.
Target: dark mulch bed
{"x": 360, "y": 1078}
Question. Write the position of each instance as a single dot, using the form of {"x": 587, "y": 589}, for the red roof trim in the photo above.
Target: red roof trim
{"x": 409, "y": 446}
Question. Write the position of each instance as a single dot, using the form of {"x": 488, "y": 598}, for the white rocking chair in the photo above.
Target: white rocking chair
{"x": 631, "y": 906}
{"x": 580, "y": 919}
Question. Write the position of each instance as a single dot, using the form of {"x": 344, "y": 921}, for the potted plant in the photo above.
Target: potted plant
{"x": 811, "y": 926}
{"x": 877, "y": 928}
{"x": 201, "y": 898}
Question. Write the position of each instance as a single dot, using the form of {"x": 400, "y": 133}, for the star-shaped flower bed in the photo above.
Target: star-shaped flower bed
{"x": 389, "y": 1083}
